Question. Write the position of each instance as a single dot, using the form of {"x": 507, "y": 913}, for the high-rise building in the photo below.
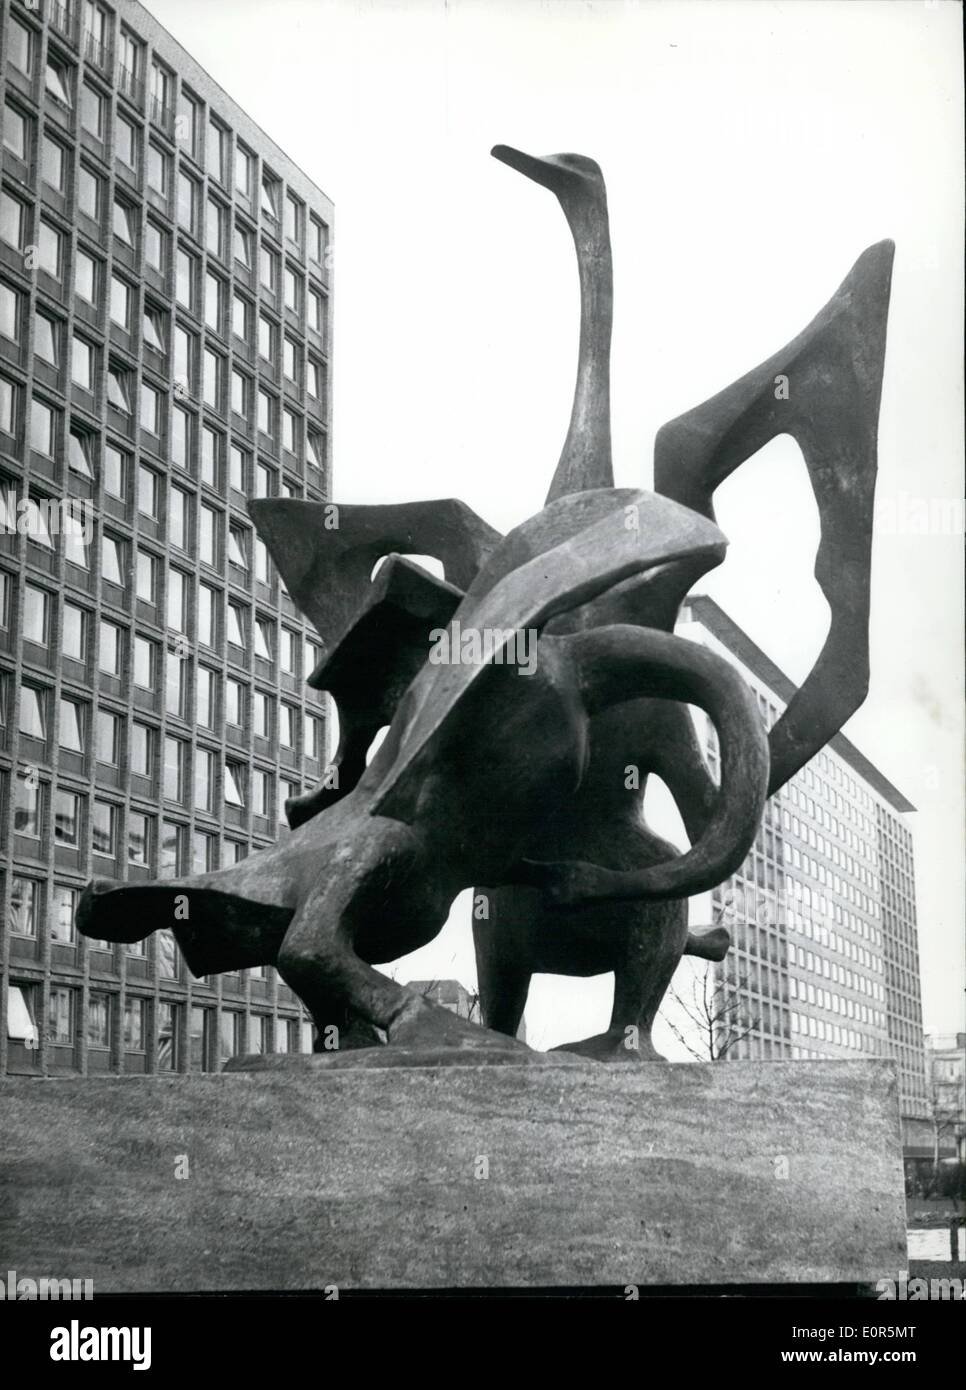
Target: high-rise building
{"x": 164, "y": 355}
{"x": 824, "y": 959}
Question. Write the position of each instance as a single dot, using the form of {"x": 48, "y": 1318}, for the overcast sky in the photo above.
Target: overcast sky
{"x": 752, "y": 150}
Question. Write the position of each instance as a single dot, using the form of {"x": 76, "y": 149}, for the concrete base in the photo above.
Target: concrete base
{"x": 423, "y": 1177}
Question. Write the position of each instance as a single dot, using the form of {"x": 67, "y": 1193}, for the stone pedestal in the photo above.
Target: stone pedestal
{"x": 469, "y": 1176}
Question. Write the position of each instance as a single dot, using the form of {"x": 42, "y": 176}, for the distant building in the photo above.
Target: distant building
{"x": 457, "y": 998}
{"x": 164, "y": 356}
{"x": 942, "y": 1137}
{"x": 824, "y": 960}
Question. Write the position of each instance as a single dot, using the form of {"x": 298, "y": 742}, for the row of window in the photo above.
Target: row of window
{"x": 79, "y": 820}
{"x": 233, "y": 170}
{"x": 809, "y": 1026}
{"x": 73, "y": 635}
{"x": 174, "y": 1025}
{"x": 836, "y": 1003}
{"x": 77, "y": 732}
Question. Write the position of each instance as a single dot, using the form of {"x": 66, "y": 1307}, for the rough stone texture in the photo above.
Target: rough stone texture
{"x": 644, "y": 1174}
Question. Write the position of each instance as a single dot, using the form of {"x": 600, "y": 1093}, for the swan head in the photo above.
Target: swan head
{"x": 567, "y": 175}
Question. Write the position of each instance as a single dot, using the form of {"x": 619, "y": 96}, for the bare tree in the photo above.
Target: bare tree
{"x": 719, "y": 1014}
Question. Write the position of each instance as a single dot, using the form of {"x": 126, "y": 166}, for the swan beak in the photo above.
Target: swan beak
{"x": 547, "y": 172}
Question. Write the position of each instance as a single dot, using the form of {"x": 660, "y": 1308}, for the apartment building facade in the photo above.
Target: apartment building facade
{"x": 824, "y": 961}
{"x": 165, "y": 330}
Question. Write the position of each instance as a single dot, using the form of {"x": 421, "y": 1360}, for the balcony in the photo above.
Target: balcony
{"x": 94, "y": 51}
{"x": 131, "y": 85}
{"x": 63, "y": 20}
{"x": 162, "y": 115}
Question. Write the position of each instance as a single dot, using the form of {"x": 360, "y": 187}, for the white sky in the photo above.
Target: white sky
{"x": 752, "y": 150}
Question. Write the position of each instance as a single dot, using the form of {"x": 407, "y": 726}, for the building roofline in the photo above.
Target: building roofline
{"x": 276, "y": 148}
{"x": 716, "y": 620}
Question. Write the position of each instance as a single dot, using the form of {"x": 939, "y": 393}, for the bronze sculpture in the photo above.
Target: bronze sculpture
{"x": 492, "y": 775}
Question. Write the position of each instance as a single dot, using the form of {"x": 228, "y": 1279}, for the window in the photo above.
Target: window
{"x": 266, "y": 338}
{"x": 316, "y": 312}
{"x": 138, "y": 838}
{"x": 211, "y": 378}
{"x": 205, "y": 698}
{"x": 57, "y": 80}
{"x": 261, "y": 796}
{"x": 16, "y": 141}
{"x": 53, "y": 164}
{"x": 123, "y": 222}
{"x": 74, "y": 633}
{"x": 115, "y": 472}
{"x": 239, "y": 392}
{"x": 234, "y": 784}
{"x": 238, "y": 547}
{"x": 236, "y": 625}
{"x": 145, "y": 663}
{"x": 210, "y": 454}
{"x": 204, "y": 779}
{"x": 168, "y": 1047}
{"x": 263, "y": 480}
{"x": 60, "y": 1015}
{"x": 121, "y": 297}
{"x": 294, "y": 214}
{"x": 161, "y": 86}
{"x": 99, "y": 1014}
{"x": 266, "y": 413}
{"x": 243, "y": 170}
{"x": 290, "y": 431}
{"x": 286, "y": 725}
{"x": 149, "y": 487}
{"x": 214, "y": 297}
{"x": 126, "y": 142}
{"x": 154, "y": 328}
{"x": 234, "y": 703}
{"x": 135, "y": 1024}
{"x": 293, "y": 290}
{"x": 158, "y": 171}
{"x": 143, "y": 742}
{"x": 80, "y": 458}
{"x": 207, "y": 533}
{"x": 262, "y": 567}
{"x": 146, "y": 577}
{"x": 174, "y": 759}
{"x": 269, "y": 196}
{"x": 314, "y": 379}
{"x": 174, "y": 683}
{"x": 268, "y": 268}
{"x": 50, "y": 250}
{"x": 217, "y": 146}
{"x": 67, "y": 826}
{"x": 28, "y": 810}
{"x": 243, "y": 247}
{"x": 47, "y": 339}
{"x": 62, "y": 917}
{"x": 82, "y": 371}
{"x": 186, "y": 121}
{"x": 178, "y": 509}
{"x": 42, "y": 428}
{"x": 181, "y": 428}
{"x": 155, "y": 246}
{"x": 151, "y": 409}
{"x": 92, "y": 111}
{"x": 312, "y": 735}
{"x": 108, "y": 737}
{"x": 20, "y": 46}
{"x": 13, "y": 220}
{"x": 240, "y": 316}
{"x": 238, "y": 470}
{"x": 71, "y": 726}
{"x": 110, "y": 649}
{"x": 184, "y": 356}
{"x": 119, "y": 389}
{"x": 261, "y": 715}
{"x": 263, "y": 638}
{"x": 172, "y": 849}
{"x": 104, "y": 827}
{"x": 317, "y": 240}
{"x": 33, "y": 712}
{"x": 187, "y": 202}
{"x": 36, "y": 615}
{"x": 290, "y": 360}
{"x": 185, "y": 269}
{"x": 85, "y": 277}
{"x": 177, "y": 602}
{"x": 9, "y": 313}
{"x": 214, "y": 227}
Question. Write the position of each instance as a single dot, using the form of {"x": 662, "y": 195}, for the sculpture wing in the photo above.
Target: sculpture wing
{"x": 831, "y": 409}
{"x": 635, "y": 531}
